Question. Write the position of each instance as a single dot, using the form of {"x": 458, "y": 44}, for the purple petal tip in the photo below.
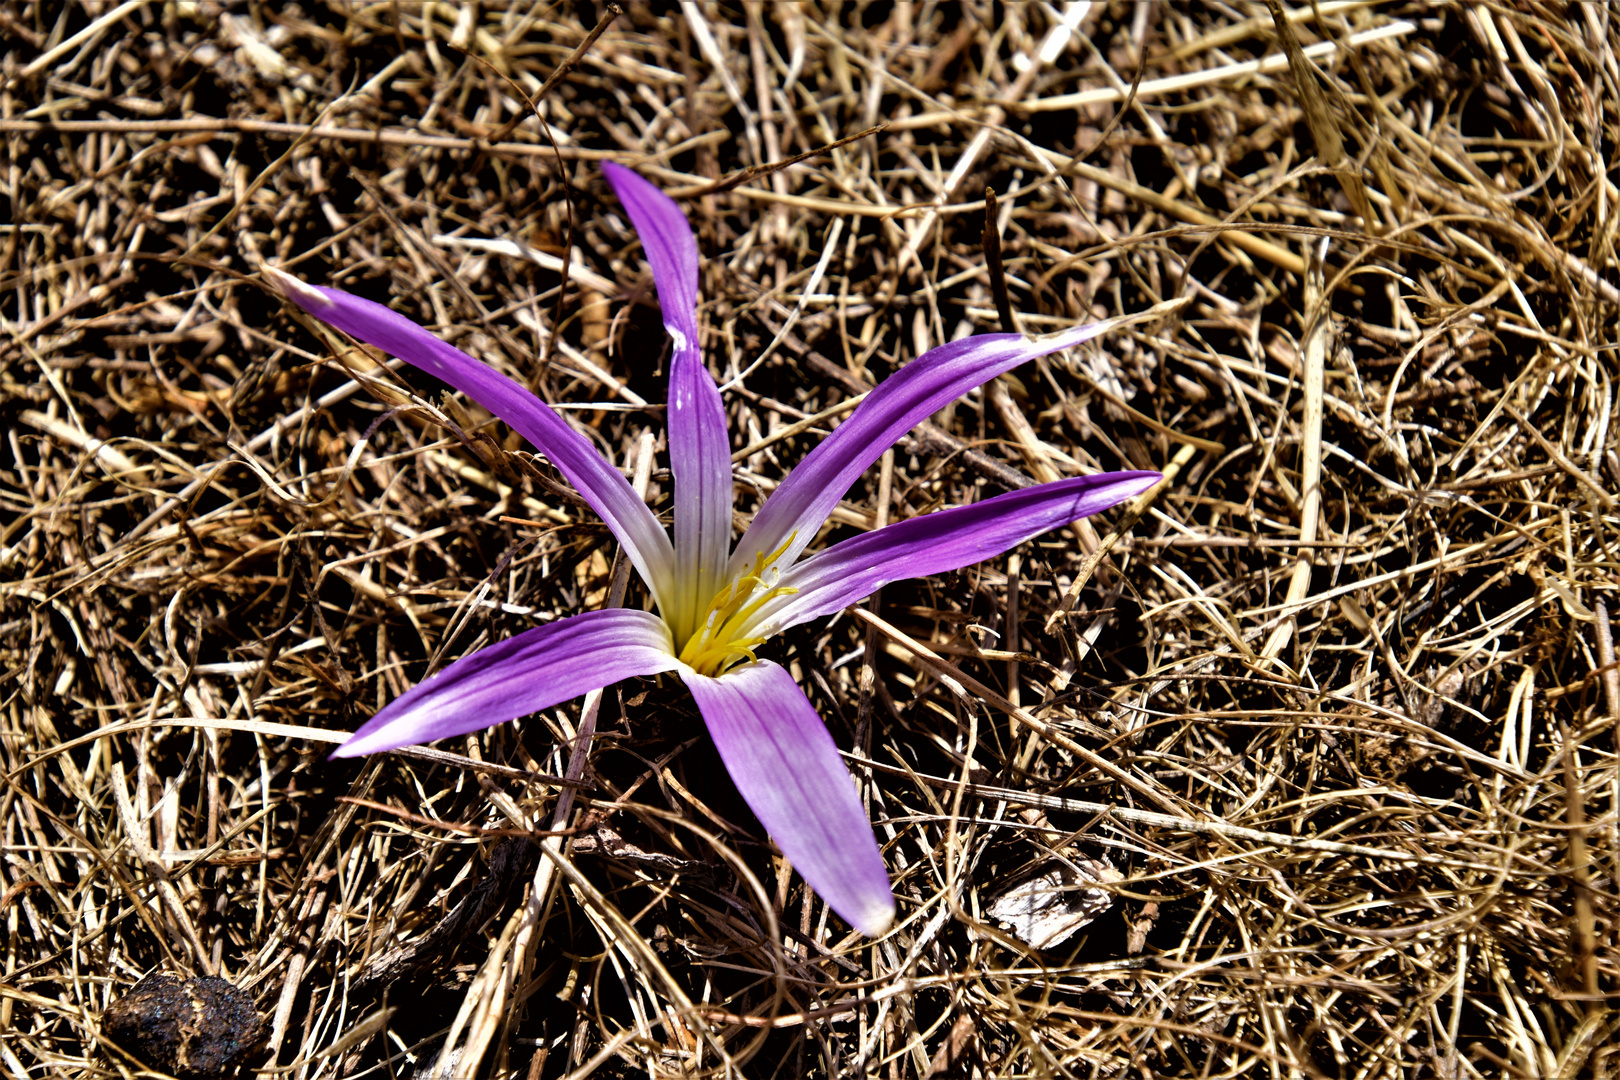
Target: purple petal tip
{"x": 304, "y": 295}
{"x": 875, "y": 920}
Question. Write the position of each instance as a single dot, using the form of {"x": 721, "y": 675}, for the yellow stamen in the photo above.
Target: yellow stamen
{"x": 722, "y": 639}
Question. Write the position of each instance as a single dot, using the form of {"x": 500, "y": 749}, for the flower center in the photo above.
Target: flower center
{"x": 725, "y": 638}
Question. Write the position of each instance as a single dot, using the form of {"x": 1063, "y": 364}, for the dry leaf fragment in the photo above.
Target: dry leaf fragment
{"x": 1049, "y": 908}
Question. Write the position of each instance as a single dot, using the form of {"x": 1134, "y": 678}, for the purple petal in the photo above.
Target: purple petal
{"x": 532, "y": 671}
{"x": 831, "y": 580}
{"x": 699, "y": 444}
{"x": 601, "y": 485}
{"x": 798, "y": 508}
{"x": 786, "y": 766}
{"x": 671, "y": 249}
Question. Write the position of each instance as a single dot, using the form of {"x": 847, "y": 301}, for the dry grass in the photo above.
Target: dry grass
{"x": 1340, "y": 705}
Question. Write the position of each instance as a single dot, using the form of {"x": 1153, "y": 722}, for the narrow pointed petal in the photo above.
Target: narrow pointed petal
{"x": 787, "y": 767}
{"x": 699, "y": 444}
{"x": 601, "y": 485}
{"x": 670, "y": 247}
{"x": 831, "y": 580}
{"x": 532, "y": 671}
{"x": 798, "y": 508}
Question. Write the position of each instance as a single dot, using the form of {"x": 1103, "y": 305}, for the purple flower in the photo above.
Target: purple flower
{"x": 717, "y": 604}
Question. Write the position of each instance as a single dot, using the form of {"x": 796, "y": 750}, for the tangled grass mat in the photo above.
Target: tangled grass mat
{"x": 1304, "y": 766}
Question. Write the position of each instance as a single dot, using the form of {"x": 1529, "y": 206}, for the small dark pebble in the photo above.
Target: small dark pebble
{"x": 195, "y": 1029}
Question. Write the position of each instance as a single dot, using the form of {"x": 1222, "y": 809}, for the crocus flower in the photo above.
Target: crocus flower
{"x": 716, "y": 605}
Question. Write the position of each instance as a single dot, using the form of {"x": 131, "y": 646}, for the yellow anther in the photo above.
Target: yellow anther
{"x": 724, "y": 639}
